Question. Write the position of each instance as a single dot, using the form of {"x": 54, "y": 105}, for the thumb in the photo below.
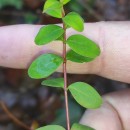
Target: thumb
{"x": 114, "y": 113}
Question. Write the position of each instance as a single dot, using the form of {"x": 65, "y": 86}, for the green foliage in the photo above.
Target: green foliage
{"x": 64, "y": 1}
{"x": 16, "y": 3}
{"x": 60, "y": 38}
{"x": 53, "y": 8}
{"x": 75, "y": 21}
{"x": 85, "y": 95}
{"x": 74, "y": 57}
{"x": 51, "y": 127}
{"x": 77, "y": 126}
{"x": 44, "y": 66}
{"x": 53, "y": 31}
{"x": 83, "y": 46}
{"x": 82, "y": 50}
{"x": 58, "y": 82}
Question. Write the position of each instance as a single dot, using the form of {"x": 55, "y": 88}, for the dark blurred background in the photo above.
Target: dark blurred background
{"x": 37, "y": 105}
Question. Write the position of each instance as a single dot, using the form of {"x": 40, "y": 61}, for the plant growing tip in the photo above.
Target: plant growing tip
{"x": 53, "y": 8}
{"x": 82, "y": 50}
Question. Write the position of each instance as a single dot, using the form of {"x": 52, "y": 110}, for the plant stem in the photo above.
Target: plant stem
{"x": 12, "y": 117}
{"x": 65, "y": 75}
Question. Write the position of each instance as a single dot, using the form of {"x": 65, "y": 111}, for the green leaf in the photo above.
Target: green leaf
{"x": 51, "y": 127}
{"x": 53, "y": 8}
{"x": 85, "y": 95}
{"x": 48, "y": 34}
{"x": 77, "y": 126}
{"x": 74, "y": 57}
{"x": 83, "y": 46}
{"x": 44, "y": 66}
{"x": 59, "y": 82}
{"x": 61, "y": 38}
{"x": 64, "y": 1}
{"x": 75, "y": 21}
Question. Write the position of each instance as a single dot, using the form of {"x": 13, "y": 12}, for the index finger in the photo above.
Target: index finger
{"x": 17, "y": 49}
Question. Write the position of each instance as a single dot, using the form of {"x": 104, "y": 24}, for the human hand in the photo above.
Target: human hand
{"x": 17, "y": 49}
{"x": 113, "y": 115}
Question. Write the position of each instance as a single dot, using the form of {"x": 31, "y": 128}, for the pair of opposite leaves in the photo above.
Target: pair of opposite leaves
{"x": 83, "y": 50}
{"x": 87, "y": 51}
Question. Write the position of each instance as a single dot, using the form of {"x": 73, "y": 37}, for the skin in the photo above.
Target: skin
{"x": 17, "y": 50}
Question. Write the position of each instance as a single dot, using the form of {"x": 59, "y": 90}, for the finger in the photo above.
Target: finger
{"x": 18, "y": 49}
{"x": 104, "y": 118}
{"x": 114, "y": 113}
{"x": 114, "y": 41}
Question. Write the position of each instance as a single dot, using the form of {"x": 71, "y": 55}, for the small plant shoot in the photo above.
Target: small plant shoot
{"x": 82, "y": 50}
